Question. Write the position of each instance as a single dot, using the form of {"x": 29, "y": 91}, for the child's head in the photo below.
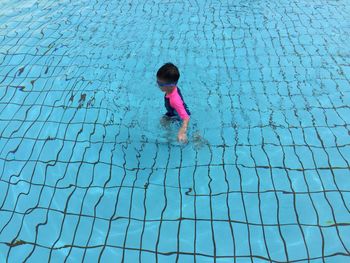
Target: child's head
{"x": 167, "y": 77}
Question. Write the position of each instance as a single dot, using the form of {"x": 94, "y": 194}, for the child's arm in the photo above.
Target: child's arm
{"x": 182, "y": 134}
{"x": 177, "y": 103}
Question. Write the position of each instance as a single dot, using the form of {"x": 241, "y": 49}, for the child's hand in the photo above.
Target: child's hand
{"x": 182, "y": 136}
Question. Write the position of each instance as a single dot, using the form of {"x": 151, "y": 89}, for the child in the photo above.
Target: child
{"x": 167, "y": 77}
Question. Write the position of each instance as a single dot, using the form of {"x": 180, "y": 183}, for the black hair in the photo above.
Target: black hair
{"x": 169, "y": 73}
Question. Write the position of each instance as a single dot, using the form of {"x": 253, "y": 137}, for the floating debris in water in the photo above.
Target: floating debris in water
{"x": 16, "y": 243}
{"x": 21, "y": 88}
{"x": 82, "y": 100}
{"x": 20, "y": 71}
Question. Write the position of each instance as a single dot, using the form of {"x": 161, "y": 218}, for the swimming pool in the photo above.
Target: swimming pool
{"x": 88, "y": 173}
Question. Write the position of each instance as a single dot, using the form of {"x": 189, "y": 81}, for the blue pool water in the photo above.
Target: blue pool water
{"x": 87, "y": 172}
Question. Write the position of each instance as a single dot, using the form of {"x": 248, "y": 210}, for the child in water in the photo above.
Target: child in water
{"x": 167, "y": 78}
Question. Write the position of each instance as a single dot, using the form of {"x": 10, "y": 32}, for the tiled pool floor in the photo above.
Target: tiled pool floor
{"x": 87, "y": 173}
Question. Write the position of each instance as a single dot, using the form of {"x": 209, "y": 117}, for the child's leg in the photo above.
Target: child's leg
{"x": 165, "y": 121}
